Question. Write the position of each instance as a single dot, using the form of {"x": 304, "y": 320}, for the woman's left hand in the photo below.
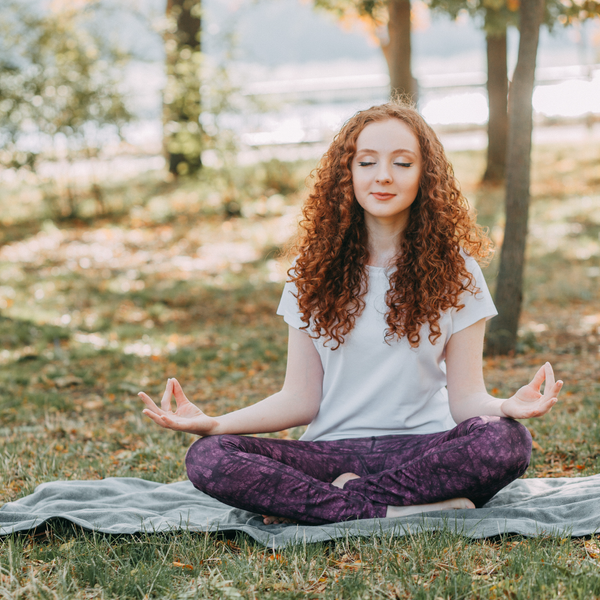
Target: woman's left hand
{"x": 529, "y": 401}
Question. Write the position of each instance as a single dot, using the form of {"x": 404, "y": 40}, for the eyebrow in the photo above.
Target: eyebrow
{"x": 398, "y": 151}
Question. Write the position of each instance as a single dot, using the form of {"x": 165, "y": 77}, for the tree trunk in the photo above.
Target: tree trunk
{"x": 497, "y": 88}
{"x": 502, "y": 336}
{"x": 397, "y": 50}
{"x": 182, "y": 137}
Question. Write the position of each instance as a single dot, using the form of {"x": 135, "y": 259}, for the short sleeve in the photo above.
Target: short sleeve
{"x": 476, "y": 306}
{"x": 288, "y": 306}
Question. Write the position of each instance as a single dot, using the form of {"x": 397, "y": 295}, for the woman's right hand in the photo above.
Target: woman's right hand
{"x": 187, "y": 417}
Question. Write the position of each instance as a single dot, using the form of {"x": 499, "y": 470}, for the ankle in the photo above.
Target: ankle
{"x": 343, "y": 479}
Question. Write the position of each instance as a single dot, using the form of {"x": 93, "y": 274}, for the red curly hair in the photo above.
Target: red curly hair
{"x": 331, "y": 247}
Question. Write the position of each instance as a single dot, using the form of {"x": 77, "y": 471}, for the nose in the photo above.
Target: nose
{"x": 383, "y": 174}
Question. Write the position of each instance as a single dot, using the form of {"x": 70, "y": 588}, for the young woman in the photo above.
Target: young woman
{"x": 386, "y": 307}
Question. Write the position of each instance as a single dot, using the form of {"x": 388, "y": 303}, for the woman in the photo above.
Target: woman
{"x": 386, "y": 307}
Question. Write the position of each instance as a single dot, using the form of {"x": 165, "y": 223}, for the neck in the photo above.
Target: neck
{"x": 384, "y": 242}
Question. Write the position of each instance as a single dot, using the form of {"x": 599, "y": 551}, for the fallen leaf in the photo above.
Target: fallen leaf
{"x": 281, "y": 586}
{"x": 592, "y": 549}
{"x": 67, "y": 380}
{"x": 94, "y": 404}
{"x": 276, "y": 557}
{"x": 132, "y": 388}
{"x": 67, "y": 545}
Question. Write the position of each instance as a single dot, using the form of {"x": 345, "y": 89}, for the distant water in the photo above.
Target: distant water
{"x": 308, "y": 103}
{"x": 282, "y": 41}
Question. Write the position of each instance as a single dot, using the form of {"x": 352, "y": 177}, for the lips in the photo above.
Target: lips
{"x": 382, "y": 196}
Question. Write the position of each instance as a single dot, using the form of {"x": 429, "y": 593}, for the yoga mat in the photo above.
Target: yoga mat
{"x": 531, "y": 507}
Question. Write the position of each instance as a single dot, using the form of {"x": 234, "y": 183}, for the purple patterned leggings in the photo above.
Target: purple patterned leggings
{"x": 290, "y": 478}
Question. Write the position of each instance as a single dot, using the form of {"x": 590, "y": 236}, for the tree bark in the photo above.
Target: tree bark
{"x": 397, "y": 50}
{"x": 502, "y": 336}
{"x": 188, "y": 21}
{"x": 181, "y": 99}
{"x": 497, "y": 88}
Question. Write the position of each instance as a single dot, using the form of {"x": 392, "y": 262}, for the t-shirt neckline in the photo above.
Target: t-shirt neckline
{"x": 383, "y": 270}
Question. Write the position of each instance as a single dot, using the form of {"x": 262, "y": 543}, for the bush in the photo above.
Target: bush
{"x": 60, "y": 88}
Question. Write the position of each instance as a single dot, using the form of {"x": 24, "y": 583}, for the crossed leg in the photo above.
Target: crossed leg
{"x": 297, "y": 480}
{"x": 399, "y": 511}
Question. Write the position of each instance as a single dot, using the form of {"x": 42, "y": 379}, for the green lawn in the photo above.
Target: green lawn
{"x": 95, "y": 309}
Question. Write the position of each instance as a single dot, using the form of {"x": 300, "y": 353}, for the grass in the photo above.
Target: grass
{"x": 94, "y": 309}
{"x": 65, "y": 563}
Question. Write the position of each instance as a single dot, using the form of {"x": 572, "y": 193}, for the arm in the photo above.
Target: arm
{"x": 296, "y": 404}
{"x": 466, "y": 389}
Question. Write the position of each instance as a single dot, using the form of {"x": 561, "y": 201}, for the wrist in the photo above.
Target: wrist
{"x": 505, "y": 410}
{"x": 216, "y": 427}
{"x": 495, "y": 406}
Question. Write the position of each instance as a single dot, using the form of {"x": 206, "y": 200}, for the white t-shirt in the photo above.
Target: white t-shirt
{"x": 374, "y": 388}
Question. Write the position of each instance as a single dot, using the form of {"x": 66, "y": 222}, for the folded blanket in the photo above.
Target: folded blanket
{"x": 531, "y": 507}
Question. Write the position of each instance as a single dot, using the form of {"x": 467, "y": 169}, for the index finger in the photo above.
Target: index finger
{"x": 150, "y": 405}
{"x": 538, "y": 378}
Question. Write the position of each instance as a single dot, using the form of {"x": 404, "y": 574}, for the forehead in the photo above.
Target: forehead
{"x": 388, "y": 135}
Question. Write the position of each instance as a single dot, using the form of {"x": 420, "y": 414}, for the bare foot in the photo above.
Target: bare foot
{"x": 269, "y": 520}
{"x": 453, "y": 504}
{"x": 343, "y": 479}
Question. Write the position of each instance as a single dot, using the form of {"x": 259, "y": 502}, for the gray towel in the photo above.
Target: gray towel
{"x": 562, "y": 506}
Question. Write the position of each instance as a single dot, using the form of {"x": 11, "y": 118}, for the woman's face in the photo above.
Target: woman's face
{"x": 386, "y": 171}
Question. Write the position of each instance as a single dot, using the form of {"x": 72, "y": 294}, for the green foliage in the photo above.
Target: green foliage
{"x": 572, "y": 11}
{"x": 59, "y": 85}
{"x": 199, "y": 100}
{"x": 181, "y": 96}
{"x": 223, "y": 105}
{"x": 256, "y": 189}
{"x": 19, "y": 333}
{"x": 221, "y": 101}
{"x": 375, "y": 12}
{"x": 181, "y": 102}
{"x": 370, "y": 8}
{"x": 496, "y": 15}
{"x": 280, "y": 177}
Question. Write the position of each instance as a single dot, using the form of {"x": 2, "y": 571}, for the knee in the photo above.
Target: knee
{"x": 201, "y": 459}
{"x": 511, "y": 442}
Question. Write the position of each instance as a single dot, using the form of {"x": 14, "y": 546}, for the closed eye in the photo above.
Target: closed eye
{"x": 365, "y": 163}
{"x": 403, "y": 164}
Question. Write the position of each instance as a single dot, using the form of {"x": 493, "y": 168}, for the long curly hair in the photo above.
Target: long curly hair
{"x": 331, "y": 247}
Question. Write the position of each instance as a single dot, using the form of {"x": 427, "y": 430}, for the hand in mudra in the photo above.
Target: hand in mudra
{"x": 529, "y": 401}
{"x": 187, "y": 417}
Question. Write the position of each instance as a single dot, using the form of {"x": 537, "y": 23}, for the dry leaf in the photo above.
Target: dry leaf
{"x": 536, "y": 446}
{"x": 67, "y": 380}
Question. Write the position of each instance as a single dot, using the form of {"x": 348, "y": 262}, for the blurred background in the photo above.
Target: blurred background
{"x": 153, "y": 159}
